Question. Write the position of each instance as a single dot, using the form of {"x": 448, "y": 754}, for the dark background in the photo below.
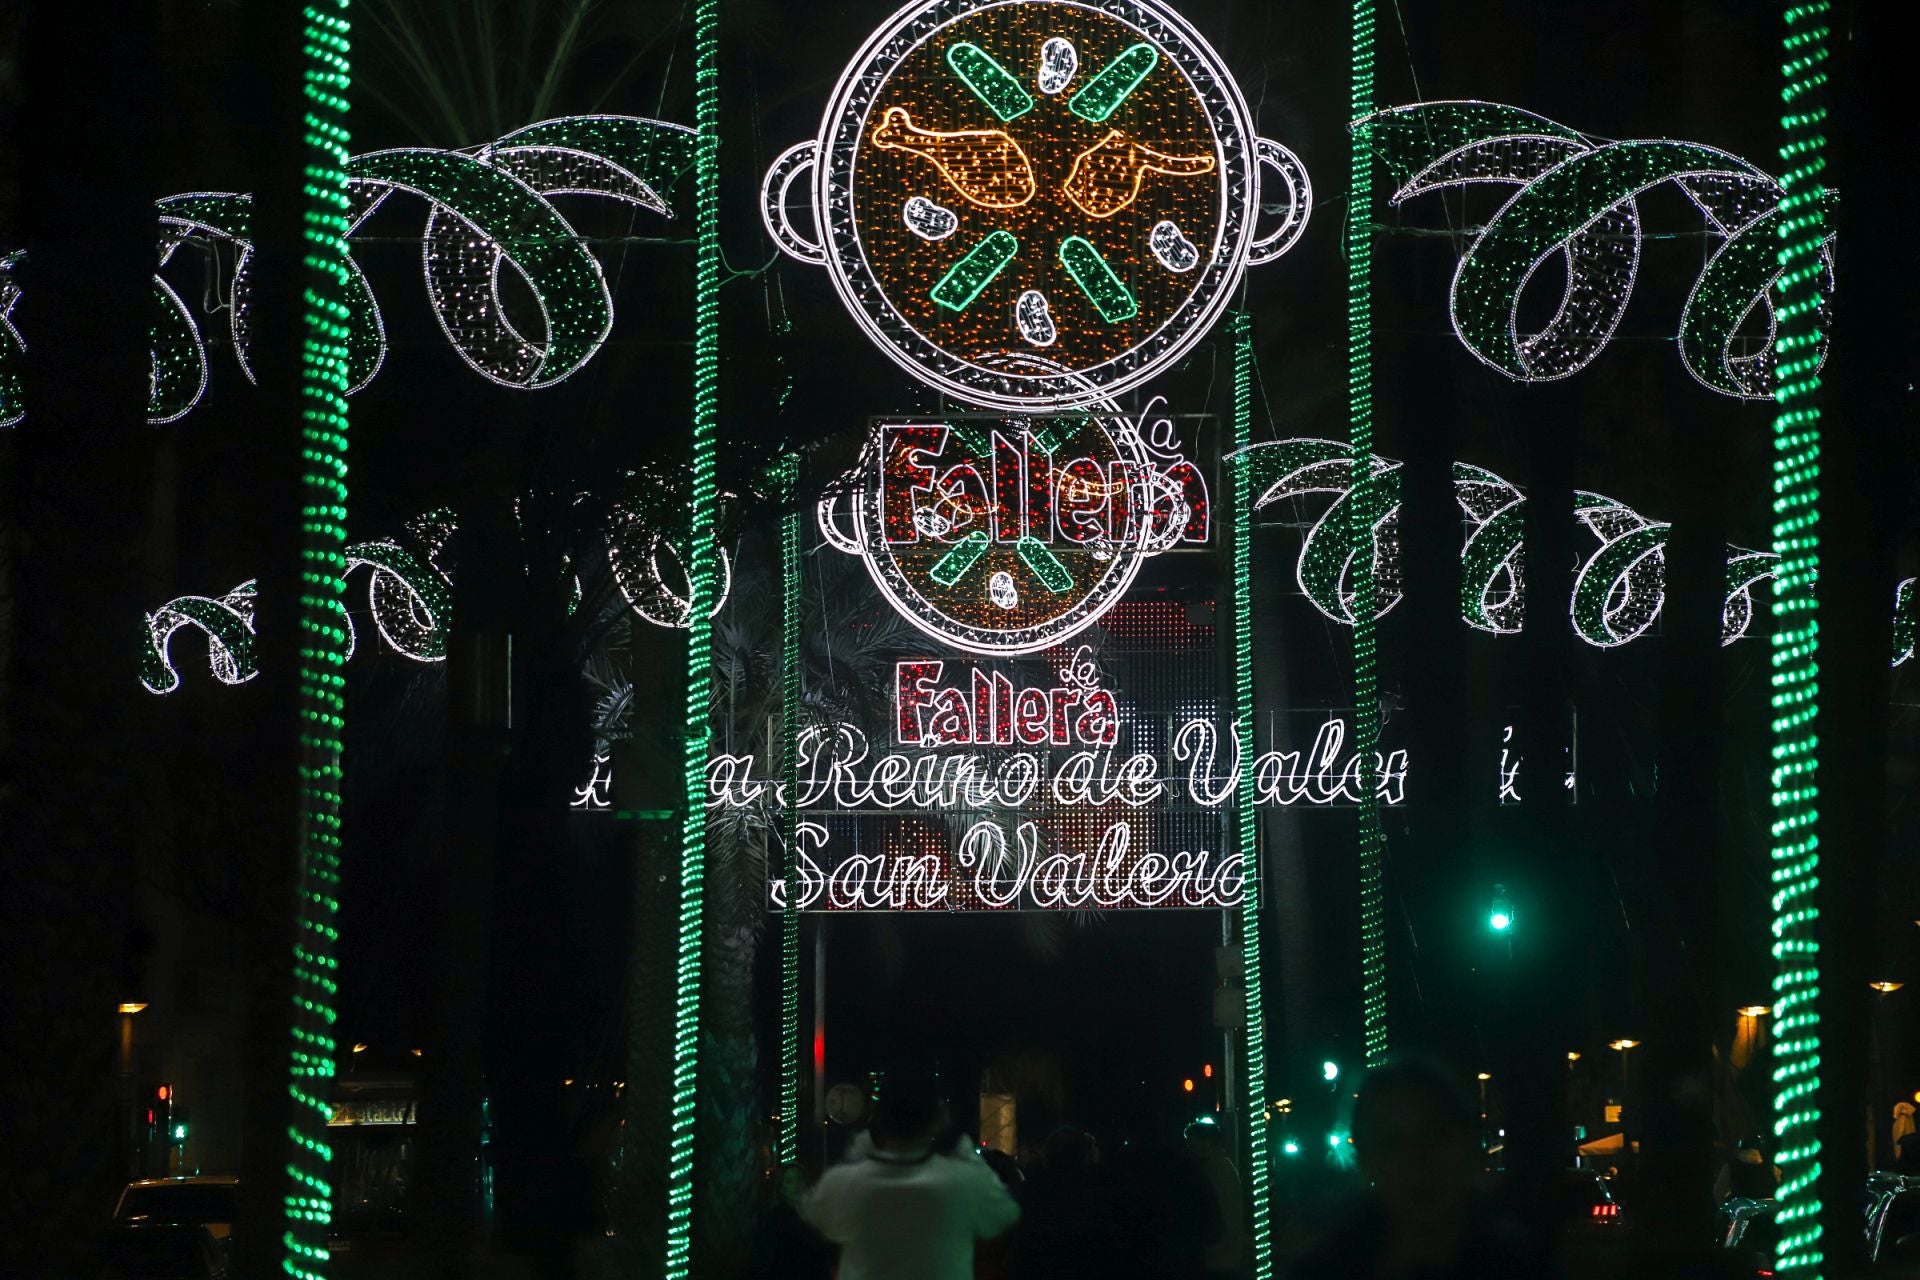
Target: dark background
{"x": 1125, "y": 998}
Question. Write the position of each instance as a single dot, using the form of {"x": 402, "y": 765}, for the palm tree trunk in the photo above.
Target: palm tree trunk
{"x": 646, "y": 783}
{"x": 731, "y": 1104}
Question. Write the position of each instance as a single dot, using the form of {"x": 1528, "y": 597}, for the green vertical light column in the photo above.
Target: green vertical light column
{"x": 1254, "y": 1106}
{"x": 790, "y": 814}
{"x": 1363, "y": 511}
{"x": 702, "y": 515}
{"x": 323, "y": 634}
{"x": 701, "y": 555}
{"x": 1796, "y": 636}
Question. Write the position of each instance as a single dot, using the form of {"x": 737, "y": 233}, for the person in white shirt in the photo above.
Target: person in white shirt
{"x": 902, "y": 1211}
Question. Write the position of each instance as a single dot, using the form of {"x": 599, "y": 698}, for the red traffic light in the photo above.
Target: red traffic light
{"x": 1207, "y": 1071}
{"x": 164, "y": 1092}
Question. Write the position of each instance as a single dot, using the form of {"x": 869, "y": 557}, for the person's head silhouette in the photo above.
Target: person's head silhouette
{"x": 1413, "y": 1134}
{"x": 911, "y": 1111}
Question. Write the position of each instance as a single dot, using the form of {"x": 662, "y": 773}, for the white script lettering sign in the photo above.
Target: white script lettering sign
{"x": 997, "y": 790}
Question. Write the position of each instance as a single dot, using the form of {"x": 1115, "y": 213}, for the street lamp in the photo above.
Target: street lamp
{"x": 1886, "y": 988}
{"x": 1624, "y": 1047}
{"x": 127, "y": 1009}
{"x": 1747, "y": 1035}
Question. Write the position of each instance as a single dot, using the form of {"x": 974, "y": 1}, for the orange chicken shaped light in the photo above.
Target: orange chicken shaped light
{"x": 1106, "y": 177}
{"x": 984, "y": 165}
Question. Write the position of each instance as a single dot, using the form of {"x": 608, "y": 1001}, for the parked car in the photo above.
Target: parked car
{"x": 1893, "y": 1220}
{"x": 173, "y": 1228}
{"x": 1587, "y": 1203}
{"x": 206, "y": 1200}
{"x": 1746, "y": 1228}
{"x": 140, "y": 1250}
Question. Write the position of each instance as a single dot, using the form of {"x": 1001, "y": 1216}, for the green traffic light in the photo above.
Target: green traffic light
{"x": 1330, "y": 1069}
{"x": 179, "y": 1133}
{"x": 1500, "y": 915}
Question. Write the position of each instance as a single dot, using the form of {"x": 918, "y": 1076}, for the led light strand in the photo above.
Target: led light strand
{"x": 12, "y": 349}
{"x": 1798, "y": 348}
{"x": 323, "y": 641}
{"x": 1577, "y": 200}
{"x": 702, "y": 552}
{"x": 1240, "y": 326}
{"x": 790, "y": 812}
{"x": 1363, "y": 529}
{"x": 1906, "y": 623}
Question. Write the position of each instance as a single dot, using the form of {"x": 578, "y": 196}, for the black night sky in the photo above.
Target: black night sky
{"x": 1117, "y": 1009}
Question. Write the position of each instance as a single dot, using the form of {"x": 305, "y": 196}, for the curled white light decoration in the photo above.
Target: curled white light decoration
{"x": 1905, "y": 622}
{"x": 1618, "y": 592}
{"x": 409, "y": 594}
{"x": 411, "y": 599}
{"x": 487, "y": 210}
{"x": 227, "y": 622}
{"x": 1577, "y": 201}
{"x": 642, "y": 558}
{"x": 12, "y": 348}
